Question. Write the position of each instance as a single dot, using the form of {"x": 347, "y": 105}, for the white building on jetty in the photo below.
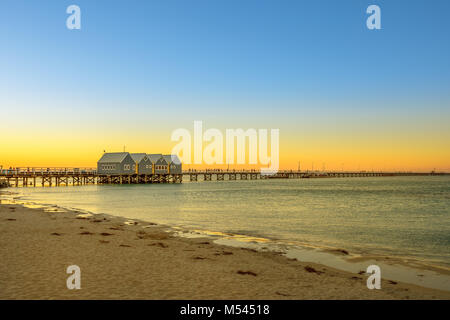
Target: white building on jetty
{"x": 116, "y": 163}
{"x": 143, "y": 163}
{"x": 174, "y": 163}
{"x": 124, "y": 163}
{"x": 160, "y": 164}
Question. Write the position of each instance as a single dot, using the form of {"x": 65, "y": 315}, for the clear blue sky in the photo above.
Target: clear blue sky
{"x": 209, "y": 58}
{"x": 253, "y": 50}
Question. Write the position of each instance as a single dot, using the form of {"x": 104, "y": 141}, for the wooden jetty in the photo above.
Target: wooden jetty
{"x": 32, "y": 177}
{"x": 221, "y": 175}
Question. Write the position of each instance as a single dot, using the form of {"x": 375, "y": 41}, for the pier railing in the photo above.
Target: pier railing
{"x": 93, "y": 171}
{"x": 47, "y": 170}
{"x": 57, "y": 176}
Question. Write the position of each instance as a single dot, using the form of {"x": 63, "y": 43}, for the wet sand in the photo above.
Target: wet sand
{"x": 141, "y": 260}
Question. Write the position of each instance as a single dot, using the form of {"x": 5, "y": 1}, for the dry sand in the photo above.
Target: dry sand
{"x": 145, "y": 261}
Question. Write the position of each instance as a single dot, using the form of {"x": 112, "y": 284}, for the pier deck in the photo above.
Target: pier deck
{"x": 32, "y": 177}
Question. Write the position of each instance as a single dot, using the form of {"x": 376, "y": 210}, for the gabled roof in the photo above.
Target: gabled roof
{"x": 116, "y": 157}
{"x": 154, "y": 157}
{"x": 172, "y": 158}
{"x": 137, "y": 157}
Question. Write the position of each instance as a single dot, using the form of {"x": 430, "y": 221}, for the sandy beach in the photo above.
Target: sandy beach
{"x": 141, "y": 260}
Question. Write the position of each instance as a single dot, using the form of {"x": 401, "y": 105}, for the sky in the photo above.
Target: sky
{"x": 342, "y": 96}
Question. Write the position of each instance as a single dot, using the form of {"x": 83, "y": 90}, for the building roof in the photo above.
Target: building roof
{"x": 172, "y": 158}
{"x": 116, "y": 157}
{"x": 137, "y": 157}
{"x": 154, "y": 157}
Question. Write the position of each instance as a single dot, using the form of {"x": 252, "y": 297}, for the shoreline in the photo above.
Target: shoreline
{"x": 395, "y": 268}
{"x": 121, "y": 259}
{"x": 352, "y": 253}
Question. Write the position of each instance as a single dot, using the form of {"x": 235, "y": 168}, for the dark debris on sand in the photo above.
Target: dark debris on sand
{"x": 251, "y": 273}
{"x": 105, "y": 234}
{"x": 312, "y": 270}
{"x": 86, "y": 233}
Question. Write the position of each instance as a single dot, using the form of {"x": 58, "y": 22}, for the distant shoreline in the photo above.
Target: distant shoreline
{"x": 121, "y": 259}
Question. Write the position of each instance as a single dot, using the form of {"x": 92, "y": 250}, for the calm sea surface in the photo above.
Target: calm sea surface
{"x": 395, "y": 216}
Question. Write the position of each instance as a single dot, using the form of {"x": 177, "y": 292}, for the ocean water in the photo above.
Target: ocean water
{"x": 389, "y": 216}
